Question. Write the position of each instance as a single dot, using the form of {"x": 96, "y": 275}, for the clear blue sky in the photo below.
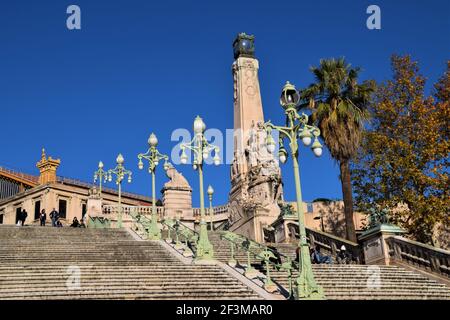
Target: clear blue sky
{"x": 139, "y": 66}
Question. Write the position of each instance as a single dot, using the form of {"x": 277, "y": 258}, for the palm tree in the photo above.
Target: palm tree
{"x": 339, "y": 108}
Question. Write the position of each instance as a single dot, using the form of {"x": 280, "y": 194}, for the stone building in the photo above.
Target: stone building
{"x": 19, "y": 191}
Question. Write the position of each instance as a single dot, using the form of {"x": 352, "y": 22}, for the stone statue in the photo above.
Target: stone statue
{"x": 377, "y": 216}
{"x": 252, "y": 149}
{"x": 94, "y": 192}
{"x": 176, "y": 178}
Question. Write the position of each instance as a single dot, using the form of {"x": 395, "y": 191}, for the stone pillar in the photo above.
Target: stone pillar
{"x": 94, "y": 207}
{"x": 177, "y": 202}
{"x": 376, "y": 250}
{"x": 177, "y": 196}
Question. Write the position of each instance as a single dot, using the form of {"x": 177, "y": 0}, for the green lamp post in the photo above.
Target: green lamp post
{"x": 100, "y": 175}
{"x": 210, "y": 192}
{"x": 297, "y": 127}
{"x": 201, "y": 149}
{"x": 120, "y": 172}
{"x": 154, "y": 157}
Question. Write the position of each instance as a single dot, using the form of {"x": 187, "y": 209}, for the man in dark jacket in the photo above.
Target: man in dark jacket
{"x": 24, "y": 216}
{"x": 43, "y": 217}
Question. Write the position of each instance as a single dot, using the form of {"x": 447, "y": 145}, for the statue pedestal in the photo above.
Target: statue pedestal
{"x": 94, "y": 208}
{"x": 374, "y": 243}
{"x": 177, "y": 202}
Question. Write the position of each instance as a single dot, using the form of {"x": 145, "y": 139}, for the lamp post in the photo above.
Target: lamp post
{"x": 101, "y": 175}
{"x": 210, "y": 195}
{"x": 120, "y": 172}
{"x": 297, "y": 127}
{"x": 201, "y": 149}
{"x": 153, "y": 156}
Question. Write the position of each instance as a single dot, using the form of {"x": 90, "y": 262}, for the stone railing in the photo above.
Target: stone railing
{"x": 419, "y": 255}
{"x": 216, "y": 210}
{"x": 330, "y": 243}
{"x": 127, "y": 211}
{"x": 269, "y": 258}
{"x": 333, "y": 244}
{"x": 177, "y": 233}
{"x": 28, "y": 177}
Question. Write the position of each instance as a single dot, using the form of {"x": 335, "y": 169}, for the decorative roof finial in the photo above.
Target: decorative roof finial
{"x": 43, "y": 157}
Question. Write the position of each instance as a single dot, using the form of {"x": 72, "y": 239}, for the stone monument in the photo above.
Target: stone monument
{"x": 256, "y": 186}
{"x": 373, "y": 240}
{"x": 177, "y": 195}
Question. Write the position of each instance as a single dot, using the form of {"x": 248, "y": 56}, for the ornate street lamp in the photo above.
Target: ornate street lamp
{"x": 297, "y": 127}
{"x": 154, "y": 157}
{"x": 120, "y": 172}
{"x": 100, "y": 175}
{"x": 210, "y": 195}
{"x": 201, "y": 149}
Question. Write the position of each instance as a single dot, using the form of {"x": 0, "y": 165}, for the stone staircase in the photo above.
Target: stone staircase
{"x": 45, "y": 262}
{"x": 352, "y": 281}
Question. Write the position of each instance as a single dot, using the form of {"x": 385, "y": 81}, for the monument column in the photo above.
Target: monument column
{"x": 255, "y": 174}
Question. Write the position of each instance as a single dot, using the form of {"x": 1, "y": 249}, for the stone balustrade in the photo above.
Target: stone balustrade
{"x": 332, "y": 244}
{"x": 419, "y": 255}
{"x": 216, "y": 210}
{"x": 113, "y": 210}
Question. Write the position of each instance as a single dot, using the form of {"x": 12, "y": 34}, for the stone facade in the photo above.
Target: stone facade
{"x": 63, "y": 197}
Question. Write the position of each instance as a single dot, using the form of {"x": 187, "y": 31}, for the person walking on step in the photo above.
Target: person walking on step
{"x": 54, "y": 216}
{"x": 24, "y": 216}
{"x": 42, "y": 217}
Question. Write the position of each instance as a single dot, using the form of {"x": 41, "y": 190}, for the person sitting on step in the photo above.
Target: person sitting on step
{"x": 343, "y": 257}
{"x": 75, "y": 223}
{"x": 318, "y": 257}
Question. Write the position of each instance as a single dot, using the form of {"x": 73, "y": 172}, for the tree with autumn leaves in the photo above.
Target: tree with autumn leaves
{"x": 403, "y": 161}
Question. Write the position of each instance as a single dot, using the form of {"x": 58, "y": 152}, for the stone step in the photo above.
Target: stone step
{"x": 34, "y": 262}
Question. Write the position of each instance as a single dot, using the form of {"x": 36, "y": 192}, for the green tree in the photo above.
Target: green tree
{"x": 338, "y": 105}
{"x": 403, "y": 162}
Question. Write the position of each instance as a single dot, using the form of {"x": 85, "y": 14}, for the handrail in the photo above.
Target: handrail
{"x": 181, "y": 230}
{"x": 262, "y": 252}
{"x": 99, "y": 223}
